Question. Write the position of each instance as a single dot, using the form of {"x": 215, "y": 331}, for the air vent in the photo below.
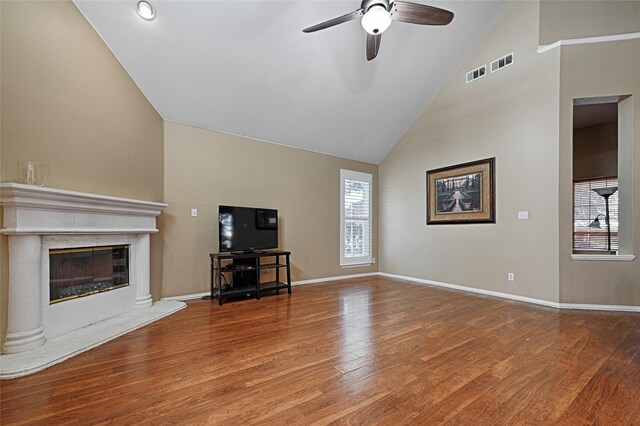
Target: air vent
{"x": 476, "y": 74}
{"x": 502, "y": 62}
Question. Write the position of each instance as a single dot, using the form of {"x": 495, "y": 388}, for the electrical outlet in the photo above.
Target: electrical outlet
{"x": 511, "y": 276}
{"x": 373, "y": 260}
{"x": 194, "y": 212}
{"x": 523, "y": 215}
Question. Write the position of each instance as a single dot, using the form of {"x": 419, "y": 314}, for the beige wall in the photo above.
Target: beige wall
{"x": 595, "y": 151}
{"x": 205, "y": 168}
{"x": 512, "y": 115}
{"x": 594, "y": 70}
{"x": 68, "y": 103}
{"x": 566, "y": 19}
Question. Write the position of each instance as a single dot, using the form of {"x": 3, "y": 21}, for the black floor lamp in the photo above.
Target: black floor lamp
{"x": 606, "y": 193}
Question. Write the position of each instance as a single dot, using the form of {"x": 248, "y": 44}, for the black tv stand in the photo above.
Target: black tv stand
{"x": 238, "y": 274}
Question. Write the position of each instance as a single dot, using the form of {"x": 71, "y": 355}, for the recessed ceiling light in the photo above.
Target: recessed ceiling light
{"x": 145, "y": 10}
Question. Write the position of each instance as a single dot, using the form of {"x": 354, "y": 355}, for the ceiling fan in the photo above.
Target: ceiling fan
{"x": 378, "y": 14}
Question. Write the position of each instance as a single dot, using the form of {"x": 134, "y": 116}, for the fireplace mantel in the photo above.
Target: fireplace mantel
{"x": 39, "y": 219}
{"x": 39, "y": 210}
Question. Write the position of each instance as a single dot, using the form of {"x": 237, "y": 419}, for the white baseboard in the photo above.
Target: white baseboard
{"x": 186, "y": 296}
{"x": 588, "y": 307}
{"x": 420, "y": 281}
{"x": 550, "y": 304}
{"x": 338, "y": 278}
{"x": 474, "y": 290}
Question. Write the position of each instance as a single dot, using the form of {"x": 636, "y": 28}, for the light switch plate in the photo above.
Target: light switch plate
{"x": 194, "y": 212}
{"x": 524, "y": 215}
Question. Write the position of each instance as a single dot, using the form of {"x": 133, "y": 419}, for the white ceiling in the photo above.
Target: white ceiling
{"x": 246, "y": 68}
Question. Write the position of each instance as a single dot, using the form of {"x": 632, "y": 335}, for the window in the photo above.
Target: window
{"x": 355, "y": 218}
{"x": 589, "y": 234}
{"x": 603, "y": 158}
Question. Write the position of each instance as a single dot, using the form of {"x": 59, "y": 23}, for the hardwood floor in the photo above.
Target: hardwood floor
{"x": 362, "y": 351}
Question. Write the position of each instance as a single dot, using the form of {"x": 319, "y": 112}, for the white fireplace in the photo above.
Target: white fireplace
{"x": 39, "y": 219}
{"x": 69, "y": 315}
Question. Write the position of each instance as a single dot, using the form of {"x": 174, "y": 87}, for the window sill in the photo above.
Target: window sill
{"x": 606, "y": 257}
{"x": 356, "y": 265}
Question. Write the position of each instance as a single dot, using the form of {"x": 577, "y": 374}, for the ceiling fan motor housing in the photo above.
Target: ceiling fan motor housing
{"x": 367, "y": 4}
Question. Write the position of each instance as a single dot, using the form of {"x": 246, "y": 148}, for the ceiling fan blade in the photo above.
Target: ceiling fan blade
{"x": 373, "y": 45}
{"x": 335, "y": 21}
{"x": 419, "y": 14}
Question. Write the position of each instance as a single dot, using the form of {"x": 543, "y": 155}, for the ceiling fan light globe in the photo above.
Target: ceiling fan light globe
{"x": 145, "y": 10}
{"x": 376, "y": 20}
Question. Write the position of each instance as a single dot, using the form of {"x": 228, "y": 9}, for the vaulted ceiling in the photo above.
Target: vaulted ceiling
{"x": 246, "y": 68}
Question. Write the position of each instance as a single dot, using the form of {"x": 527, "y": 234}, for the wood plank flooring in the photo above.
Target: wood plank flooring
{"x": 360, "y": 351}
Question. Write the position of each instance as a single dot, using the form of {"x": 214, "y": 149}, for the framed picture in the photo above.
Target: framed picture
{"x": 464, "y": 193}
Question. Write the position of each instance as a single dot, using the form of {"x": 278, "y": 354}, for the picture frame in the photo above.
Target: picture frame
{"x": 464, "y": 193}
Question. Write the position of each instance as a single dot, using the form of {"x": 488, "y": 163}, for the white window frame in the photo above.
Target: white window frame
{"x": 362, "y": 177}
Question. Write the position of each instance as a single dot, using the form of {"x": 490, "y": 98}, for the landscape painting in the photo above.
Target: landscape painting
{"x": 463, "y": 193}
{"x": 459, "y": 194}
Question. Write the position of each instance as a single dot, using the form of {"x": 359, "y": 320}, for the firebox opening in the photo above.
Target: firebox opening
{"x": 82, "y": 271}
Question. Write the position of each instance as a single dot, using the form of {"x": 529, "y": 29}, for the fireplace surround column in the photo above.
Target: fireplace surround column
{"x": 143, "y": 289}
{"x": 24, "y": 325}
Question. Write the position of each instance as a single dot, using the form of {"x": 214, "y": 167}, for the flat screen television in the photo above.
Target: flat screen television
{"x": 247, "y": 229}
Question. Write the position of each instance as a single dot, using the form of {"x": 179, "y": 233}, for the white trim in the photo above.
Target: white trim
{"x": 556, "y": 305}
{"x": 474, "y": 290}
{"x": 588, "y": 40}
{"x": 588, "y": 307}
{"x": 356, "y": 265}
{"x": 607, "y": 257}
{"x": 360, "y": 177}
{"x": 184, "y": 297}
{"x": 341, "y": 277}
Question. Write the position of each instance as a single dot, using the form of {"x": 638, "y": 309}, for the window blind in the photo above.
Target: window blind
{"x": 356, "y": 218}
{"x": 587, "y": 205}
